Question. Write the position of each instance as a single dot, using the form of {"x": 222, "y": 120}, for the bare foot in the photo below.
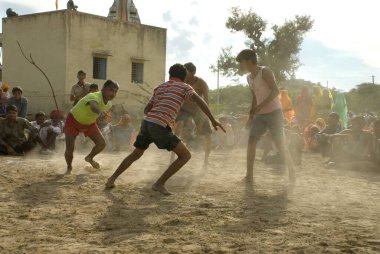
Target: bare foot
{"x": 68, "y": 171}
{"x": 248, "y": 179}
{"x": 110, "y": 184}
{"x": 93, "y": 163}
{"x": 161, "y": 188}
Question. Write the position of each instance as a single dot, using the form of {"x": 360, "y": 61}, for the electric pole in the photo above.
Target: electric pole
{"x": 373, "y": 79}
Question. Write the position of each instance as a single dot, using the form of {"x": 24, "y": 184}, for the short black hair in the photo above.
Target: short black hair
{"x": 334, "y": 115}
{"x": 17, "y": 89}
{"x": 247, "y": 55}
{"x": 178, "y": 71}
{"x": 81, "y": 72}
{"x": 191, "y": 67}
{"x": 110, "y": 83}
{"x": 39, "y": 114}
{"x": 11, "y": 108}
{"x": 94, "y": 86}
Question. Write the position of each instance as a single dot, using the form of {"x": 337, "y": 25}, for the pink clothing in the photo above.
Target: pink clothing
{"x": 261, "y": 89}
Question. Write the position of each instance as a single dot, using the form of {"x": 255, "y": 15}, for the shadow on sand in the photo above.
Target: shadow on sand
{"x": 46, "y": 191}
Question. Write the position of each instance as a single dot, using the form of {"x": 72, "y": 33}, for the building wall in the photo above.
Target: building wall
{"x": 64, "y": 42}
{"x": 90, "y": 35}
{"x": 43, "y": 36}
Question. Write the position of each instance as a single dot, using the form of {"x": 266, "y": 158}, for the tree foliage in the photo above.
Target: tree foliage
{"x": 279, "y": 51}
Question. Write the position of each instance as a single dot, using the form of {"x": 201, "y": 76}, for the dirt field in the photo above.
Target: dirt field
{"x": 327, "y": 211}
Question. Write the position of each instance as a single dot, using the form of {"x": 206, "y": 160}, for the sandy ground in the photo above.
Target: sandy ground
{"x": 327, "y": 211}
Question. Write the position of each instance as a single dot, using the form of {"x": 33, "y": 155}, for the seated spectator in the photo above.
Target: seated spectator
{"x": 57, "y": 117}
{"x": 376, "y": 141}
{"x": 122, "y": 133}
{"x": 310, "y": 132}
{"x": 94, "y": 88}
{"x": 47, "y": 132}
{"x": 352, "y": 145}
{"x": 19, "y": 101}
{"x": 5, "y": 88}
{"x": 13, "y": 140}
{"x": 333, "y": 127}
{"x": 3, "y": 104}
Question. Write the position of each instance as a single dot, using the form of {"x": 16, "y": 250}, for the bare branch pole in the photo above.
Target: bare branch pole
{"x": 31, "y": 61}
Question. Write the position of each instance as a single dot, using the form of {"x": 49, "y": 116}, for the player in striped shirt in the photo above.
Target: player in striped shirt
{"x": 160, "y": 114}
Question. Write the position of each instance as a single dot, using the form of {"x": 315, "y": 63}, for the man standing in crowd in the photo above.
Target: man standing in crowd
{"x": 80, "y": 89}
{"x": 19, "y": 101}
{"x": 190, "y": 110}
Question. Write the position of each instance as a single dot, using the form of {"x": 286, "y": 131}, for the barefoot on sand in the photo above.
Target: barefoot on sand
{"x": 110, "y": 185}
{"x": 93, "y": 163}
{"x": 161, "y": 189}
{"x": 68, "y": 171}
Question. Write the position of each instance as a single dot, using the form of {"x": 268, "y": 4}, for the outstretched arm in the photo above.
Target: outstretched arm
{"x": 203, "y": 106}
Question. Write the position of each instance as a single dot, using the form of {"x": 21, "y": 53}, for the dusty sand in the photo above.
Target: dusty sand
{"x": 327, "y": 211}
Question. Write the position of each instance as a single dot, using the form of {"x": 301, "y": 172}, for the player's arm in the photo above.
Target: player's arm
{"x": 205, "y": 93}
{"x": 253, "y": 105}
{"x": 148, "y": 107}
{"x": 268, "y": 76}
{"x": 204, "y": 107}
{"x": 94, "y": 106}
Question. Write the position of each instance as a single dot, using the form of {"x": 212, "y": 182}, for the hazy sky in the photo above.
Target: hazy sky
{"x": 343, "y": 47}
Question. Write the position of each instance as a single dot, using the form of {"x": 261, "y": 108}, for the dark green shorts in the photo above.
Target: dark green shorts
{"x": 162, "y": 137}
{"x": 274, "y": 122}
{"x": 200, "y": 119}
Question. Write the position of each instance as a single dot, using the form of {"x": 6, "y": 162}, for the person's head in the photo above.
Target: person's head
{"x": 109, "y": 90}
{"x": 178, "y": 71}
{"x": 320, "y": 123}
{"x": 5, "y": 88}
{"x": 94, "y": 88}
{"x": 17, "y": 93}
{"x": 358, "y": 123}
{"x": 333, "y": 119}
{"x": 40, "y": 117}
{"x": 12, "y": 112}
{"x": 247, "y": 59}
{"x": 57, "y": 115}
{"x": 191, "y": 69}
{"x": 81, "y": 76}
{"x": 376, "y": 128}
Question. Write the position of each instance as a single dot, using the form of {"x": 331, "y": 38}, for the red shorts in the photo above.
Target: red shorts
{"x": 73, "y": 128}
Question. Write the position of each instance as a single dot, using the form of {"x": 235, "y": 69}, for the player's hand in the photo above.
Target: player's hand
{"x": 102, "y": 114}
{"x": 216, "y": 124}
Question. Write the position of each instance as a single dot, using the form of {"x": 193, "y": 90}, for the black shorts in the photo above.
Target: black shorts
{"x": 162, "y": 137}
{"x": 200, "y": 119}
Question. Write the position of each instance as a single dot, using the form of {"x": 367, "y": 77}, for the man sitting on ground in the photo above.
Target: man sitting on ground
{"x": 333, "y": 127}
{"x": 352, "y": 146}
{"x": 12, "y": 134}
{"x": 19, "y": 101}
{"x": 47, "y": 132}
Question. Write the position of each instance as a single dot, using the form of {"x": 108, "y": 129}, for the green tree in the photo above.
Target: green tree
{"x": 279, "y": 52}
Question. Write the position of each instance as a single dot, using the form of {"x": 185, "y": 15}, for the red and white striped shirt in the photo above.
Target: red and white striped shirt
{"x": 167, "y": 100}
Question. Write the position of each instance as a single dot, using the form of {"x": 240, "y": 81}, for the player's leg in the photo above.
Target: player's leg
{"x": 183, "y": 157}
{"x": 100, "y": 144}
{"x": 204, "y": 129}
{"x": 125, "y": 164}
{"x": 178, "y": 131}
{"x": 257, "y": 130}
{"x": 69, "y": 152}
{"x": 276, "y": 127}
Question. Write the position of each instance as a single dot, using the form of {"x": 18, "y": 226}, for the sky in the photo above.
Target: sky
{"x": 342, "y": 50}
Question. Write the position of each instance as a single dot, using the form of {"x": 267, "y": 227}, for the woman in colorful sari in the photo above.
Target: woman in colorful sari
{"x": 340, "y": 107}
{"x": 303, "y": 108}
{"x": 287, "y": 106}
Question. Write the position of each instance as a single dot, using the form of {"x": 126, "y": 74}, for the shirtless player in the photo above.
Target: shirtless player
{"x": 190, "y": 111}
